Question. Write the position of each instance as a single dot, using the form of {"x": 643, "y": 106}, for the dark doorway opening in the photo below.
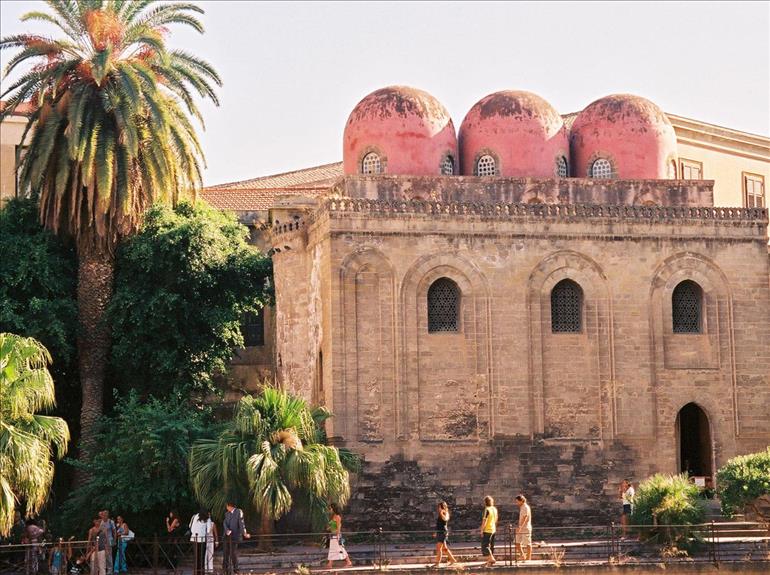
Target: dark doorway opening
{"x": 694, "y": 441}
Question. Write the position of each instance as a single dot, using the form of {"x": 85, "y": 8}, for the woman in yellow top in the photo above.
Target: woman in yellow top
{"x": 488, "y": 529}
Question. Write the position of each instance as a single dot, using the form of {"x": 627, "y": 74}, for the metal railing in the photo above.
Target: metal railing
{"x": 385, "y": 549}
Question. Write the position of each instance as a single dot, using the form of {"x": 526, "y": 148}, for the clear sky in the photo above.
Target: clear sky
{"x": 293, "y": 71}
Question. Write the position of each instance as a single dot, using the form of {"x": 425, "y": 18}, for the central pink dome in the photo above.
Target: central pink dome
{"x": 400, "y": 130}
{"x": 520, "y": 131}
{"x": 629, "y": 134}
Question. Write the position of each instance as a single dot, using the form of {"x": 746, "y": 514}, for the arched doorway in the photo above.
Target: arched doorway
{"x": 694, "y": 435}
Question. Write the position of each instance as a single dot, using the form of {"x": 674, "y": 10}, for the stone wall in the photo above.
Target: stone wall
{"x": 504, "y": 405}
{"x": 488, "y": 190}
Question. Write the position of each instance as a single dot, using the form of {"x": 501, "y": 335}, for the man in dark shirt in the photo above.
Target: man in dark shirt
{"x": 234, "y": 532}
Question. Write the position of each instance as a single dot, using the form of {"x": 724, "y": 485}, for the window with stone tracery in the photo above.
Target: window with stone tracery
{"x": 566, "y": 307}
{"x": 601, "y": 169}
{"x": 448, "y": 166}
{"x": 687, "y": 307}
{"x": 253, "y": 329}
{"x": 486, "y": 166}
{"x": 443, "y": 306}
{"x": 371, "y": 164}
{"x": 562, "y": 169}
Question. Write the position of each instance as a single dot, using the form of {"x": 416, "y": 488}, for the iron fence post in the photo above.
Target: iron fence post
{"x": 509, "y": 558}
{"x": 155, "y": 554}
{"x": 611, "y": 553}
{"x": 381, "y": 547}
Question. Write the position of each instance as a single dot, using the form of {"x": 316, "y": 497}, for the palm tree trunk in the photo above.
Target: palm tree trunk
{"x": 266, "y": 529}
{"x": 95, "y": 286}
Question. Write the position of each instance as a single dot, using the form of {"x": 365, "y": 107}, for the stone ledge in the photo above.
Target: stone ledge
{"x": 653, "y": 214}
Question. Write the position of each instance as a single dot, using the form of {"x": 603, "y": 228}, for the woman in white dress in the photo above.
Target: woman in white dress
{"x": 203, "y": 533}
{"x": 337, "y": 550}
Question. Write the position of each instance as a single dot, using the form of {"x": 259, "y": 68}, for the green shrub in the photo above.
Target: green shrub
{"x": 671, "y": 503}
{"x": 140, "y": 470}
{"x": 742, "y": 480}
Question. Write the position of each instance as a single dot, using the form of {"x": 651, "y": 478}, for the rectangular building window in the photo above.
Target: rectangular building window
{"x": 691, "y": 170}
{"x": 20, "y": 153}
{"x": 753, "y": 190}
{"x": 253, "y": 329}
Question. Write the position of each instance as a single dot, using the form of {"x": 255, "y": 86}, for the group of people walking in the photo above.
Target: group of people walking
{"x": 488, "y": 530}
{"x": 105, "y": 552}
{"x": 107, "y": 542}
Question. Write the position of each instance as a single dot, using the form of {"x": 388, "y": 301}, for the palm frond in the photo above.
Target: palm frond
{"x": 28, "y": 440}
{"x": 118, "y": 103}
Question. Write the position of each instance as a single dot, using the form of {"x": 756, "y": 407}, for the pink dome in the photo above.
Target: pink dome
{"x": 632, "y": 133}
{"x": 520, "y": 130}
{"x": 408, "y": 129}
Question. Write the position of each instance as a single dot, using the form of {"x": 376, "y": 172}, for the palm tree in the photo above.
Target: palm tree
{"x": 272, "y": 453}
{"x": 110, "y": 133}
{"x": 27, "y": 440}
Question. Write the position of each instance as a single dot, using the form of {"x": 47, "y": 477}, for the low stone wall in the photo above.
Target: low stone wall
{"x": 567, "y": 483}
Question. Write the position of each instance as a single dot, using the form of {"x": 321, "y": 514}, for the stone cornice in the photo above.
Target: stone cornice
{"x": 410, "y": 217}
{"x": 653, "y": 214}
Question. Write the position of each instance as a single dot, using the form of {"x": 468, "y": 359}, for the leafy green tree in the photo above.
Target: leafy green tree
{"x": 28, "y": 440}
{"x": 742, "y": 481}
{"x": 671, "y": 503}
{"x": 270, "y": 453}
{"x": 110, "y": 133}
{"x": 182, "y": 284}
{"x": 37, "y": 294}
{"x": 141, "y": 467}
{"x": 37, "y": 281}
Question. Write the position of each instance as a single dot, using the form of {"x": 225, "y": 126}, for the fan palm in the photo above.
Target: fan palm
{"x": 110, "y": 132}
{"x": 272, "y": 454}
{"x": 27, "y": 440}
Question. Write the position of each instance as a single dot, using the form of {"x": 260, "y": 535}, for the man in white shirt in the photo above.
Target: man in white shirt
{"x": 524, "y": 530}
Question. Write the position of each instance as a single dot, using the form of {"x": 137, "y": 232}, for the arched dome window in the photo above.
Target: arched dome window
{"x": 371, "y": 164}
{"x": 486, "y": 166}
{"x": 566, "y": 307}
{"x": 562, "y": 168}
{"x": 687, "y": 307}
{"x": 601, "y": 169}
{"x": 448, "y": 166}
{"x": 443, "y": 306}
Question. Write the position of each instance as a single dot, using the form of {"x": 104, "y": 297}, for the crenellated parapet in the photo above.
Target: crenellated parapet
{"x": 536, "y": 210}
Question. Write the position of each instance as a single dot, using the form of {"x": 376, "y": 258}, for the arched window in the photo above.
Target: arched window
{"x": 601, "y": 168}
{"x": 566, "y": 307}
{"x": 562, "y": 168}
{"x": 687, "y": 307}
{"x": 448, "y": 166}
{"x": 672, "y": 170}
{"x": 253, "y": 329}
{"x": 486, "y": 166}
{"x": 371, "y": 164}
{"x": 443, "y": 306}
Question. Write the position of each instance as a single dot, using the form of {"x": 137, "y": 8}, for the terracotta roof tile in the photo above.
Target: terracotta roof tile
{"x": 245, "y": 200}
{"x": 23, "y": 109}
{"x": 260, "y": 194}
{"x": 316, "y": 176}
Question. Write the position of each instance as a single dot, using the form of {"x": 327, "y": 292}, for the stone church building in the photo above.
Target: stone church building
{"x": 537, "y": 304}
